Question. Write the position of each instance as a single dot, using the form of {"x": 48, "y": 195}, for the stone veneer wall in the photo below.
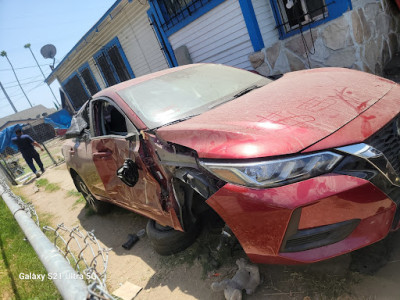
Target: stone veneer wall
{"x": 364, "y": 38}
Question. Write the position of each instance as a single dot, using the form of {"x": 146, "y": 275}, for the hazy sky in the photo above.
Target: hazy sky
{"x": 40, "y": 22}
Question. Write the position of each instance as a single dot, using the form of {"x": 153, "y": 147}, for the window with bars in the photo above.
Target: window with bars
{"x": 301, "y": 12}
{"x": 174, "y": 12}
{"x": 292, "y": 15}
{"x": 113, "y": 64}
{"x": 76, "y": 91}
{"x": 89, "y": 80}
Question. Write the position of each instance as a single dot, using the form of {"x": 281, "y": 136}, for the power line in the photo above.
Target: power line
{"x": 36, "y": 76}
{"x": 23, "y": 68}
{"x": 25, "y": 83}
{"x": 36, "y": 87}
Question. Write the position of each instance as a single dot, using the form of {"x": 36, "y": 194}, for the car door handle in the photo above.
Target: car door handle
{"x": 102, "y": 154}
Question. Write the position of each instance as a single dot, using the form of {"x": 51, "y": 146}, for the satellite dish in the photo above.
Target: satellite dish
{"x": 48, "y": 51}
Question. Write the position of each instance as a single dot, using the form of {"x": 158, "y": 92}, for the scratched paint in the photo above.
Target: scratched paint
{"x": 283, "y": 117}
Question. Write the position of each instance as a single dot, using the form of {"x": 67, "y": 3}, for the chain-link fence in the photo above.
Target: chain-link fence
{"x": 84, "y": 276}
{"x": 14, "y": 165}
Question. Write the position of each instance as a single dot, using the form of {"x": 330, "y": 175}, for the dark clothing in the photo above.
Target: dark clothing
{"x": 29, "y": 160}
{"x": 25, "y": 146}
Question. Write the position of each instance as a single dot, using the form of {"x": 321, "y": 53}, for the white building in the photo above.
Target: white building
{"x": 134, "y": 38}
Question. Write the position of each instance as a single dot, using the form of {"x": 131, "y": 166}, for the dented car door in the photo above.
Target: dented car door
{"x": 117, "y": 160}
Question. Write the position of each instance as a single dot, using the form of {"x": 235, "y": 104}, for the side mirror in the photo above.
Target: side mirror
{"x": 129, "y": 173}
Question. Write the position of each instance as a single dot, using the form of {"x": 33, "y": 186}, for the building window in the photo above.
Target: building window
{"x": 292, "y": 15}
{"x": 113, "y": 64}
{"x": 301, "y": 12}
{"x": 76, "y": 91}
{"x": 175, "y": 14}
{"x": 89, "y": 79}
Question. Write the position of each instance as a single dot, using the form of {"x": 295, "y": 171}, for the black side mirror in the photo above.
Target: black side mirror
{"x": 129, "y": 173}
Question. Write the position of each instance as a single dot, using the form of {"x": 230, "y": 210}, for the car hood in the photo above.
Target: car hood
{"x": 283, "y": 117}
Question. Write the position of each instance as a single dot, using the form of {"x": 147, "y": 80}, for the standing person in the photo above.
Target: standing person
{"x": 25, "y": 145}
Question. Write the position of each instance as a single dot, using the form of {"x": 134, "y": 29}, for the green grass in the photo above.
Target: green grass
{"x": 74, "y": 193}
{"x": 18, "y": 257}
{"x": 48, "y": 187}
{"x": 52, "y": 187}
{"x": 42, "y": 182}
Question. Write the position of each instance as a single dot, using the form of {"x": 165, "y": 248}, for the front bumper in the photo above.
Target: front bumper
{"x": 262, "y": 220}
{"x": 322, "y": 217}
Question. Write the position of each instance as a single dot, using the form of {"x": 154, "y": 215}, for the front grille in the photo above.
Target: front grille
{"x": 387, "y": 140}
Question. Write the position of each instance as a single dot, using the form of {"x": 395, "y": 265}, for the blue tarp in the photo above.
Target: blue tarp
{"x": 59, "y": 120}
{"x": 6, "y": 135}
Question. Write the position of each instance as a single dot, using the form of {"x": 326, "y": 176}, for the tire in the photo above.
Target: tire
{"x": 99, "y": 207}
{"x": 166, "y": 240}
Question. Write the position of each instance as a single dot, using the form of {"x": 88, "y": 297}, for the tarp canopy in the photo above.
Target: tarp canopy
{"x": 6, "y": 135}
{"x": 59, "y": 120}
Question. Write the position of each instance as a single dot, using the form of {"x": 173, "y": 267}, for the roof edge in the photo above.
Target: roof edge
{"x": 94, "y": 27}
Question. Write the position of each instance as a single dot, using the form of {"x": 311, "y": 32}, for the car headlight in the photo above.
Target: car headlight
{"x": 272, "y": 173}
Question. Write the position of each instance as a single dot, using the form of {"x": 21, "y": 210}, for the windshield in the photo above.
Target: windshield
{"x": 188, "y": 92}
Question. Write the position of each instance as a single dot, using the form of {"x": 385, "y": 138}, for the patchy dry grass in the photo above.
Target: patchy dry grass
{"x": 73, "y": 193}
{"x": 41, "y": 182}
{"x": 52, "y": 187}
{"x": 48, "y": 187}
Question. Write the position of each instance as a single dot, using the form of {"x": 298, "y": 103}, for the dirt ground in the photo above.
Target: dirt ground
{"x": 371, "y": 273}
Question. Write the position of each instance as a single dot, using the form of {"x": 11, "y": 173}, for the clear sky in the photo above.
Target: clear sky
{"x": 40, "y": 22}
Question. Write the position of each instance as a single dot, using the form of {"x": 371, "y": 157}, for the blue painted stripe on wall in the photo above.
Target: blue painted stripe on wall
{"x": 170, "y": 56}
{"x": 164, "y": 37}
{"x": 252, "y": 24}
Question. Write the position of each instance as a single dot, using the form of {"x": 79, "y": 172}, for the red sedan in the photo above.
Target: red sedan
{"x": 301, "y": 169}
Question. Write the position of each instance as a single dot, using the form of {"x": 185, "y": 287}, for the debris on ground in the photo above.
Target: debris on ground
{"x": 246, "y": 278}
{"x": 132, "y": 239}
{"x": 127, "y": 291}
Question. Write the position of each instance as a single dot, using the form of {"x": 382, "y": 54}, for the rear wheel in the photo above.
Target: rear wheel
{"x": 166, "y": 240}
{"x": 98, "y": 207}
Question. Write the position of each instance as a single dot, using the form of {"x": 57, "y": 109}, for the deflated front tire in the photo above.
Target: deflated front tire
{"x": 166, "y": 241}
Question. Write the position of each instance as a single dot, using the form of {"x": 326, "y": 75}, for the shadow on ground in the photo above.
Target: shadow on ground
{"x": 327, "y": 280}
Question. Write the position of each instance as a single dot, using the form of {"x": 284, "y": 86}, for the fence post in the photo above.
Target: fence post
{"x": 68, "y": 282}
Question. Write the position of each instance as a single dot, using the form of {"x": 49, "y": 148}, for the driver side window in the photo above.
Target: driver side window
{"x": 108, "y": 120}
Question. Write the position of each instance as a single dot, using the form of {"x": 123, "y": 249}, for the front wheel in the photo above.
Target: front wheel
{"x": 98, "y": 207}
{"x": 166, "y": 240}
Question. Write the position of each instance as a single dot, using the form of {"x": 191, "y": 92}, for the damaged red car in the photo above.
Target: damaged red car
{"x": 301, "y": 169}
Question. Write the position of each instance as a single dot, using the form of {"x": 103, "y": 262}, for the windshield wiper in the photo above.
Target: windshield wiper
{"x": 246, "y": 90}
{"x": 177, "y": 121}
{"x": 241, "y": 93}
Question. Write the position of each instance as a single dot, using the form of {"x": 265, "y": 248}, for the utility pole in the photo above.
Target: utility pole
{"x": 8, "y": 98}
{"x": 4, "y": 54}
{"x": 28, "y": 46}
